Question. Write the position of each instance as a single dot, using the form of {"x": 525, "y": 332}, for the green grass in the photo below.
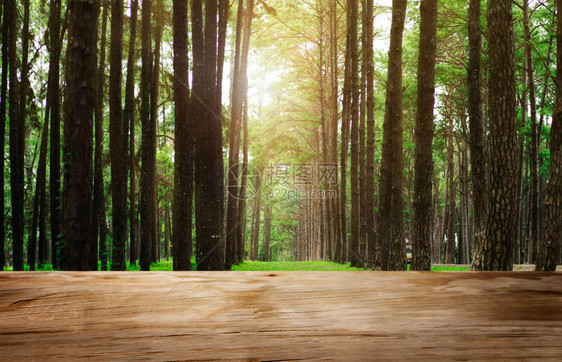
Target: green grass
{"x": 167, "y": 265}
{"x": 292, "y": 266}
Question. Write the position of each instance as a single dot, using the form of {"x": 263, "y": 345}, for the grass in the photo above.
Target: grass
{"x": 292, "y": 266}
{"x": 167, "y": 265}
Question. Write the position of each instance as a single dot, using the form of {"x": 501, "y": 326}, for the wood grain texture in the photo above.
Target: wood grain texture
{"x": 281, "y": 315}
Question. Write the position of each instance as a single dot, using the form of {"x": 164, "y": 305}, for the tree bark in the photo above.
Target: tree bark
{"x": 552, "y": 222}
{"x": 533, "y": 150}
{"x": 39, "y": 205}
{"x": 423, "y": 164}
{"x": 78, "y": 130}
{"x": 117, "y": 140}
{"x": 353, "y": 250}
{"x": 390, "y": 227}
{"x": 209, "y": 180}
{"x": 477, "y": 156}
{"x": 3, "y": 108}
{"x": 98, "y": 208}
{"x": 183, "y": 172}
{"x": 54, "y": 101}
{"x": 266, "y": 233}
{"x": 501, "y": 228}
{"x": 16, "y": 140}
{"x": 450, "y": 251}
{"x": 148, "y": 144}
{"x": 129, "y": 120}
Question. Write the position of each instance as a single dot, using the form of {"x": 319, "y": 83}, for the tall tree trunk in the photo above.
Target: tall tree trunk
{"x": 421, "y": 246}
{"x": 209, "y": 180}
{"x": 370, "y": 162}
{"x": 533, "y": 150}
{"x": 266, "y": 232}
{"x": 98, "y": 207}
{"x": 16, "y": 140}
{"x": 39, "y": 204}
{"x": 183, "y": 172}
{"x": 241, "y": 224}
{"x": 148, "y": 144}
{"x": 256, "y": 234}
{"x": 477, "y": 156}
{"x": 390, "y": 227}
{"x": 3, "y": 108}
{"x": 353, "y": 44}
{"x": 78, "y": 130}
{"x": 154, "y": 96}
{"x": 42, "y": 255}
{"x": 117, "y": 140}
{"x": 501, "y": 228}
{"x": 54, "y": 101}
{"x": 129, "y": 120}
{"x": 240, "y": 74}
{"x": 551, "y": 231}
{"x": 450, "y": 251}
{"x": 342, "y": 246}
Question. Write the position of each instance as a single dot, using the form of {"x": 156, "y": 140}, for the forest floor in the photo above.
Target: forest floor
{"x": 357, "y": 315}
{"x": 167, "y": 265}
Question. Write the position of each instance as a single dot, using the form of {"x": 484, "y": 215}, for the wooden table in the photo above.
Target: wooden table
{"x": 281, "y": 315}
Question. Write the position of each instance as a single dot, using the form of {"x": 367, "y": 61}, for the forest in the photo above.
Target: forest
{"x": 207, "y": 133}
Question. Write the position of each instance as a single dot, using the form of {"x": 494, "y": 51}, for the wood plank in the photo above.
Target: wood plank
{"x": 281, "y": 315}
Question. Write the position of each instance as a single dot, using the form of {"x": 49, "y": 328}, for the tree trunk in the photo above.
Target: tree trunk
{"x": 241, "y": 224}
{"x": 117, "y": 140}
{"x": 550, "y": 238}
{"x": 16, "y": 140}
{"x": 390, "y": 227}
{"x": 39, "y": 204}
{"x": 256, "y": 234}
{"x": 266, "y": 233}
{"x": 421, "y": 246}
{"x": 238, "y": 90}
{"x": 3, "y": 108}
{"x": 209, "y": 180}
{"x": 450, "y": 251}
{"x": 98, "y": 207}
{"x": 183, "y": 172}
{"x": 154, "y": 97}
{"x": 148, "y": 144}
{"x": 78, "y": 130}
{"x": 533, "y": 150}
{"x": 501, "y": 228}
{"x": 354, "y": 170}
{"x": 129, "y": 123}
{"x": 54, "y": 101}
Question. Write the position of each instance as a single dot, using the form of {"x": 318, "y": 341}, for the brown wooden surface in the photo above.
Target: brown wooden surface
{"x": 281, "y": 315}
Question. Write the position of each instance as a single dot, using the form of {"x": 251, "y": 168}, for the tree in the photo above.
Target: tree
{"x": 501, "y": 228}
{"x": 421, "y": 246}
{"x": 550, "y": 238}
{"x": 370, "y": 149}
{"x": 183, "y": 174}
{"x": 117, "y": 140}
{"x": 78, "y": 131}
{"x": 209, "y": 183}
{"x": 148, "y": 145}
{"x": 477, "y": 158}
{"x": 3, "y": 108}
{"x": 533, "y": 150}
{"x": 129, "y": 119}
{"x": 391, "y": 253}
{"x": 99, "y": 229}
{"x": 17, "y": 129}
{"x": 354, "y": 256}
{"x": 53, "y": 98}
